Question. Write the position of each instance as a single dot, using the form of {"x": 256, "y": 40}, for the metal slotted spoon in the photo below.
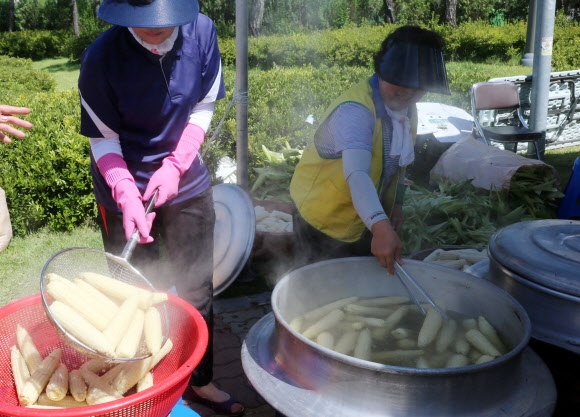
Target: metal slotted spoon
{"x": 405, "y": 279}
{"x": 69, "y": 263}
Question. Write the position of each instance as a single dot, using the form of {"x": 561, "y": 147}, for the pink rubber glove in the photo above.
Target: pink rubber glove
{"x": 126, "y": 194}
{"x": 166, "y": 178}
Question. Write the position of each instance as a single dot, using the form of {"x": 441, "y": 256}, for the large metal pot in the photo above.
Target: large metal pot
{"x": 301, "y": 378}
{"x": 538, "y": 263}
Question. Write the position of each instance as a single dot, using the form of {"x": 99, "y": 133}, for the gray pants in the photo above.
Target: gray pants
{"x": 180, "y": 256}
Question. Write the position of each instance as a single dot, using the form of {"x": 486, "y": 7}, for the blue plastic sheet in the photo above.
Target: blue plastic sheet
{"x": 570, "y": 205}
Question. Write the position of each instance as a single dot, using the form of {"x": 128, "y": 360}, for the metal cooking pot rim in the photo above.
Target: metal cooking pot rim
{"x": 546, "y": 252}
{"x": 516, "y": 350}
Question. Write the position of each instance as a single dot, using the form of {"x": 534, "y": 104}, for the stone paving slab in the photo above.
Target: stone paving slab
{"x": 234, "y": 317}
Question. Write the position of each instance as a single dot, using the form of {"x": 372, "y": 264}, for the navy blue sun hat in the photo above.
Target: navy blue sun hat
{"x": 148, "y": 13}
{"x": 415, "y": 66}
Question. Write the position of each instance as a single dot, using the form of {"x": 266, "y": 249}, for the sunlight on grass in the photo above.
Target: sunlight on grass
{"x": 22, "y": 261}
{"x": 65, "y": 73}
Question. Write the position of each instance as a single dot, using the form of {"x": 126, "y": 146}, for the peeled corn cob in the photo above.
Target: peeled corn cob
{"x": 36, "y": 383}
{"x": 98, "y": 391}
{"x": 28, "y": 349}
{"x": 145, "y": 382}
{"x": 77, "y": 385}
{"x": 81, "y": 329}
{"x": 19, "y": 369}
{"x": 119, "y": 326}
{"x": 328, "y": 321}
{"x": 66, "y": 402}
{"x": 108, "y": 307}
{"x": 481, "y": 343}
{"x": 57, "y": 386}
{"x": 130, "y": 341}
{"x": 362, "y": 349}
{"x": 69, "y": 293}
{"x": 431, "y": 326}
{"x": 153, "y": 330}
{"x": 121, "y": 290}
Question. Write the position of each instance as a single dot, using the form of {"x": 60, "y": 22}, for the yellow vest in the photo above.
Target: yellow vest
{"x": 318, "y": 188}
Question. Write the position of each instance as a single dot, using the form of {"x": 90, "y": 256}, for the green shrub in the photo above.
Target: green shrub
{"x": 17, "y": 77}
{"x": 46, "y": 175}
{"x": 35, "y": 45}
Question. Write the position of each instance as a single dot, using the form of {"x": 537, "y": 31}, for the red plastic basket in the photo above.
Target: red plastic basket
{"x": 188, "y": 333}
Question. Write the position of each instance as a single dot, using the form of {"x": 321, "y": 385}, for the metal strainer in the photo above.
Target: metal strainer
{"x": 69, "y": 263}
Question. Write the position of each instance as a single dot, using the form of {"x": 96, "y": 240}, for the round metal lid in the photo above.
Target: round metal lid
{"x": 546, "y": 252}
{"x": 235, "y": 227}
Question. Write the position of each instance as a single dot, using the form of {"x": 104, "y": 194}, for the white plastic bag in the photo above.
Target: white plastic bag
{"x": 5, "y": 225}
{"x": 489, "y": 167}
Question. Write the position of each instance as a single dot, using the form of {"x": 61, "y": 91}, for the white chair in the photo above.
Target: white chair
{"x": 497, "y": 115}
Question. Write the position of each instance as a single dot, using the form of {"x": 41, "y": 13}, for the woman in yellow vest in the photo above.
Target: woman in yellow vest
{"x": 348, "y": 188}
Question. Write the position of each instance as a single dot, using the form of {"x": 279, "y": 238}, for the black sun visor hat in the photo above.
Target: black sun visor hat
{"x": 148, "y": 14}
{"x": 415, "y": 66}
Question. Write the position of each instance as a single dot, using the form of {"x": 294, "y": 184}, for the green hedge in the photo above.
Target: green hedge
{"x": 478, "y": 42}
{"x": 46, "y": 175}
{"x": 17, "y": 77}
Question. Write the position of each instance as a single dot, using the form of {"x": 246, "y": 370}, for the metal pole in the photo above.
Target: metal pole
{"x": 544, "y": 39}
{"x": 528, "y": 58}
{"x": 241, "y": 93}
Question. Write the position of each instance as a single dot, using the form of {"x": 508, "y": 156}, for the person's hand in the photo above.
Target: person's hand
{"x": 397, "y": 218}
{"x": 166, "y": 180}
{"x": 129, "y": 200}
{"x": 386, "y": 245}
{"x": 8, "y": 120}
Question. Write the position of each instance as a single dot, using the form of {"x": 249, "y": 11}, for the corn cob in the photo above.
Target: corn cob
{"x": 28, "y": 349}
{"x": 145, "y": 382}
{"x": 120, "y": 290}
{"x": 325, "y": 339}
{"x": 430, "y": 328}
{"x": 117, "y": 328}
{"x": 77, "y": 385}
{"x": 108, "y": 307}
{"x": 132, "y": 372}
{"x": 19, "y": 369}
{"x": 36, "y": 383}
{"x": 407, "y": 343}
{"x": 67, "y": 402}
{"x": 57, "y": 386}
{"x": 368, "y": 310}
{"x": 383, "y": 301}
{"x": 67, "y": 292}
{"x": 328, "y": 321}
{"x": 396, "y": 356}
{"x": 129, "y": 343}
{"x": 394, "y": 319}
{"x": 481, "y": 343}
{"x": 489, "y": 331}
{"x": 362, "y": 349}
{"x": 456, "y": 361}
{"x": 446, "y": 336}
{"x": 98, "y": 391}
{"x": 81, "y": 329}
{"x": 346, "y": 343}
{"x": 322, "y": 311}
{"x": 153, "y": 330}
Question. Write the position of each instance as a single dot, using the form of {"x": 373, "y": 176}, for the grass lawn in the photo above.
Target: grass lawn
{"x": 65, "y": 73}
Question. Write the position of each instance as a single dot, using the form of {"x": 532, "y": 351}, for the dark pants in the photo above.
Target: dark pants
{"x": 180, "y": 256}
{"x": 311, "y": 245}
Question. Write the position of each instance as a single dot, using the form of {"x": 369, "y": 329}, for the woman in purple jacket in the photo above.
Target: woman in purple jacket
{"x": 147, "y": 87}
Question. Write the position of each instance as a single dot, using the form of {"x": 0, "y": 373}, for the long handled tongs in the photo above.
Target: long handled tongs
{"x": 404, "y": 277}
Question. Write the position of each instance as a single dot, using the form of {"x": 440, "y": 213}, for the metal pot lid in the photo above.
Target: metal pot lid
{"x": 546, "y": 252}
{"x": 235, "y": 227}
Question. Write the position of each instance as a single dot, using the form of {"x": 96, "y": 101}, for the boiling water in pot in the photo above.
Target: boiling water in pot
{"x": 393, "y": 331}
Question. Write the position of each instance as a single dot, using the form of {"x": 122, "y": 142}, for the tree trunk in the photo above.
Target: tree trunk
{"x": 75, "y": 18}
{"x": 389, "y": 7}
{"x": 451, "y": 12}
{"x": 11, "y": 16}
{"x": 256, "y": 17}
{"x": 96, "y": 3}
